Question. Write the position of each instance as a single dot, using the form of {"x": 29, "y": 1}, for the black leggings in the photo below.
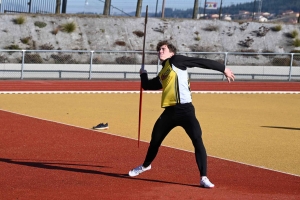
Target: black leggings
{"x": 179, "y": 115}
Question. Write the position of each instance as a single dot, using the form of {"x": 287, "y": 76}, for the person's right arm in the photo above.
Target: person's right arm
{"x": 152, "y": 84}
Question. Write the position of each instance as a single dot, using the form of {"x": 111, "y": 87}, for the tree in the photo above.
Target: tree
{"x": 106, "y": 7}
{"x": 196, "y": 8}
{"x": 138, "y": 8}
{"x": 57, "y": 10}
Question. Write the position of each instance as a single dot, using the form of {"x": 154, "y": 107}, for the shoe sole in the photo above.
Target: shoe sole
{"x": 138, "y": 173}
{"x": 207, "y": 187}
{"x": 100, "y": 128}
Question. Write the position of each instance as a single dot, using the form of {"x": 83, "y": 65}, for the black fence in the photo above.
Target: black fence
{"x": 28, "y": 6}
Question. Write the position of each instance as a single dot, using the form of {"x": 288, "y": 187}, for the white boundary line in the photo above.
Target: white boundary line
{"x": 261, "y": 167}
{"x": 154, "y": 92}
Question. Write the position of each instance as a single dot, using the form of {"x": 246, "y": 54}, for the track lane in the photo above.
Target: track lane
{"x": 47, "y": 160}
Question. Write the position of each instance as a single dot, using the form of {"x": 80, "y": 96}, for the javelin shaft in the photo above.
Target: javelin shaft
{"x": 141, "y": 89}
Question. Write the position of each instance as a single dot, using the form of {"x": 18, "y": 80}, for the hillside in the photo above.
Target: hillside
{"x": 126, "y": 33}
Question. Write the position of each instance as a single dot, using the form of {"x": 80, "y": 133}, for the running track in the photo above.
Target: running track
{"x": 46, "y": 160}
{"x": 135, "y": 86}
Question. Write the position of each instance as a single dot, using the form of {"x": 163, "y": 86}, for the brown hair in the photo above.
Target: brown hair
{"x": 170, "y": 46}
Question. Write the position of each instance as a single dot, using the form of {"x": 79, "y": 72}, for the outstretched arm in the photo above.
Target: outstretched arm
{"x": 229, "y": 75}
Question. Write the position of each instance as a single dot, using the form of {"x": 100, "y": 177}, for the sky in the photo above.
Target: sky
{"x": 97, "y": 6}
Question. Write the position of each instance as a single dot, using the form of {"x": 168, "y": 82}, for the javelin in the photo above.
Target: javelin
{"x": 141, "y": 89}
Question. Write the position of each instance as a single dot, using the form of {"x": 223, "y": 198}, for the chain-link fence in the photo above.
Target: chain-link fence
{"x": 59, "y": 64}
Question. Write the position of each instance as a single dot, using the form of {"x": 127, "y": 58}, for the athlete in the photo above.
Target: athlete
{"x": 177, "y": 103}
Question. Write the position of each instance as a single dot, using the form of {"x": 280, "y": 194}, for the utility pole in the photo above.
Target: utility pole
{"x": 156, "y": 8}
{"x": 64, "y": 6}
{"x": 163, "y": 9}
{"x": 106, "y": 7}
{"x": 220, "y": 11}
{"x": 196, "y": 8}
{"x": 29, "y": 4}
{"x": 253, "y": 10}
{"x": 204, "y": 9}
{"x": 138, "y": 8}
{"x": 259, "y": 7}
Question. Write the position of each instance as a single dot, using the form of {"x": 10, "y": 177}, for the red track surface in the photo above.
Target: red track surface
{"x": 46, "y": 160}
{"x": 26, "y": 85}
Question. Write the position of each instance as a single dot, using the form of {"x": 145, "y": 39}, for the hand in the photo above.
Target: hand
{"x": 229, "y": 75}
{"x": 142, "y": 70}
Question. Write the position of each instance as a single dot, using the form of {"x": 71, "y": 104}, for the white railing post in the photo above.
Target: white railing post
{"x": 291, "y": 65}
{"x": 225, "y": 63}
{"x": 91, "y": 65}
{"x": 22, "y": 65}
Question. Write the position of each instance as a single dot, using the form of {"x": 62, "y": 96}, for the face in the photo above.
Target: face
{"x": 164, "y": 53}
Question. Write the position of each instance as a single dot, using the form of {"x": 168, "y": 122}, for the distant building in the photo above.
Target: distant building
{"x": 288, "y": 12}
{"x": 266, "y": 14}
{"x": 227, "y": 18}
{"x": 214, "y": 16}
{"x": 262, "y": 19}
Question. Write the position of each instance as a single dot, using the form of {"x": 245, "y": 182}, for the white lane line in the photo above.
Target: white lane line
{"x": 154, "y": 92}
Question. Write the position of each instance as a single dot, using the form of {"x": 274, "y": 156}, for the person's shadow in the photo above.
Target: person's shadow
{"x": 57, "y": 166}
{"x": 282, "y": 127}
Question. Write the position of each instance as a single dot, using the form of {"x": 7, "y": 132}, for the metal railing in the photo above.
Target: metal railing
{"x": 71, "y": 64}
{"x": 30, "y": 6}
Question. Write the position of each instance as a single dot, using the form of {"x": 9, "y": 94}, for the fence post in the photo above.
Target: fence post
{"x": 29, "y": 4}
{"x": 225, "y": 63}
{"x": 22, "y": 65}
{"x": 291, "y": 64}
{"x": 157, "y": 66}
{"x": 91, "y": 64}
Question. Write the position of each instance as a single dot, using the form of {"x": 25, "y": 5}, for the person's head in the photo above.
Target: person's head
{"x": 165, "y": 50}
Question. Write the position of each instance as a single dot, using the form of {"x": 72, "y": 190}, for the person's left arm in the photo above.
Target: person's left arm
{"x": 184, "y": 62}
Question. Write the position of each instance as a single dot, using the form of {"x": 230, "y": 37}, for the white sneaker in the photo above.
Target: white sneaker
{"x": 206, "y": 183}
{"x": 140, "y": 169}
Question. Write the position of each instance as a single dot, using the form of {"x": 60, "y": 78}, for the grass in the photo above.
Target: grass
{"x": 33, "y": 58}
{"x": 40, "y": 24}
{"x": 25, "y": 40}
{"x": 46, "y": 46}
{"x": 294, "y": 33}
{"x": 276, "y": 28}
{"x": 69, "y": 27}
{"x": 211, "y": 28}
{"x": 296, "y": 57}
{"x": 197, "y": 38}
{"x": 296, "y": 42}
{"x": 20, "y": 20}
{"x": 13, "y": 47}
